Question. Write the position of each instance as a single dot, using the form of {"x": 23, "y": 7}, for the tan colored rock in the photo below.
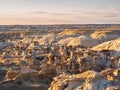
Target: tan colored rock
{"x": 109, "y": 45}
{"x": 84, "y": 41}
{"x": 89, "y": 80}
{"x": 11, "y": 75}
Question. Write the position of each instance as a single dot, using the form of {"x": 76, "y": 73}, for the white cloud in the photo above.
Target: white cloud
{"x": 105, "y": 15}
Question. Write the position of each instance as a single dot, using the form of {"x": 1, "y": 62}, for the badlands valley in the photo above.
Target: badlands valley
{"x": 60, "y": 57}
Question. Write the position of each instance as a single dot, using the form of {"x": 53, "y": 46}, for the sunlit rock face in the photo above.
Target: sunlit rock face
{"x": 49, "y": 38}
{"x": 65, "y": 41}
{"x": 89, "y": 80}
{"x": 109, "y": 45}
{"x": 84, "y": 41}
{"x": 103, "y": 36}
{"x": 95, "y": 81}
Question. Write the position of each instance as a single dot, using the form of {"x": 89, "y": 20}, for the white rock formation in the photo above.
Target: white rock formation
{"x": 83, "y": 40}
{"x": 103, "y": 36}
{"x": 109, "y": 45}
{"x": 47, "y": 39}
{"x": 89, "y": 80}
{"x": 65, "y": 41}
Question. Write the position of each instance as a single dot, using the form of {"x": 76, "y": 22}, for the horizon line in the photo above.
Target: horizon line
{"x": 60, "y": 24}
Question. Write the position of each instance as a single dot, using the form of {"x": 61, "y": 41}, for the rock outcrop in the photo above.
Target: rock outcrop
{"x": 109, "y": 45}
{"x": 84, "y": 41}
{"x": 103, "y": 36}
{"x": 89, "y": 80}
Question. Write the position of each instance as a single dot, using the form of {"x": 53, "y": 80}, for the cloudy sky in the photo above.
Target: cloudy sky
{"x": 59, "y": 11}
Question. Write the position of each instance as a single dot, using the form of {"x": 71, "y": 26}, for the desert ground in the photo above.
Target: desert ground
{"x": 60, "y": 57}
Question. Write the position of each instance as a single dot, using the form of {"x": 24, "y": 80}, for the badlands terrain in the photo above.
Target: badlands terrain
{"x": 60, "y": 57}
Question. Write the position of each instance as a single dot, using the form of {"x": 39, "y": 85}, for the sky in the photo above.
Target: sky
{"x": 36, "y": 12}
